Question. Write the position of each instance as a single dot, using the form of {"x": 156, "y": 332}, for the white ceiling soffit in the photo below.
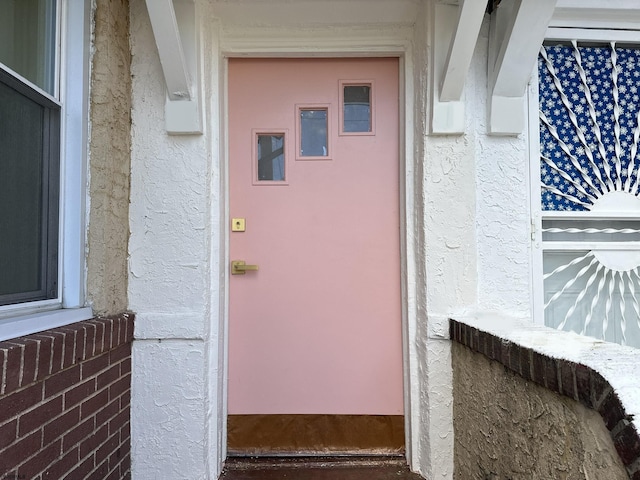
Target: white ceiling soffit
{"x": 597, "y": 14}
{"x": 174, "y": 29}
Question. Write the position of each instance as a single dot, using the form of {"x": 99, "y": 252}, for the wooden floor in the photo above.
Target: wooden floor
{"x": 317, "y": 468}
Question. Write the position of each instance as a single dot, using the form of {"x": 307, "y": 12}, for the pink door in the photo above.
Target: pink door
{"x": 314, "y": 176}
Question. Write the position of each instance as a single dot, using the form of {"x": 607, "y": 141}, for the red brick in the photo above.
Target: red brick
{"x": 76, "y": 435}
{"x": 40, "y": 461}
{"x": 108, "y": 377}
{"x": 82, "y": 470}
{"x": 93, "y": 441}
{"x": 59, "y": 469}
{"x": 94, "y": 365}
{"x": 125, "y": 432}
{"x": 11, "y": 405}
{"x": 90, "y": 343}
{"x": 30, "y": 362}
{"x": 121, "y": 386}
{"x": 125, "y": 366}
{"x": 118, "y": 421}
{"x": 8, "y": 433}
{"x": 81, "y": 337}
{"x": 110, "y": 335}
{"x": 114, "y": 475}
{"x": 13, "y": 365}
{"x": 3, "y": 357}
{"x": 15, "y": 454}
{"x": 101, "y": 471}
{"x": 39, "y": 416}
{"x": 94, "y": 404}
{"x": 61, "y": 425}
{"x": 57, "y": 346}
{"x": 69, "y": 347}
{"x": 108, "y": 412}
{"x": 120, "y": 353}
{"x": 122, "y": 339}
{"x": 107, "y": 448}
{"x": 99, "y": 345}
{"x": 79, "y": 393}
{"x": 125, "y": 400}
{"x": 61, "y": 381}
{"x": 116, "y": 456}
{"x": 44, "y": 355}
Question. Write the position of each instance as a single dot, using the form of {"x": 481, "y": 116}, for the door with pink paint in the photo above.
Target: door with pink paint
{"x": 314, "y": 205}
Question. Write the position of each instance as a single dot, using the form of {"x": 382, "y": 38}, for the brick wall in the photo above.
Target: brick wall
{"x": 64, "y": 402}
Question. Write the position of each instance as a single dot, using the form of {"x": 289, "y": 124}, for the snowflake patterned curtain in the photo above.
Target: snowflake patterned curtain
{"x": 589, "y": 174}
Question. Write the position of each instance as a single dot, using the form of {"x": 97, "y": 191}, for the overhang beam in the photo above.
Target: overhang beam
{"x": 175, "y": 31}
{"x": 518, "y": 30}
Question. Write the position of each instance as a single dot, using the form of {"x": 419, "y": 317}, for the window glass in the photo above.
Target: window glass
{"x": 28, "y": 40}
{"x": 28, "y": 194}
{"x": 357, "y": 108}
{"x": 271, "y": 157}
{"x": 313, "y": 133}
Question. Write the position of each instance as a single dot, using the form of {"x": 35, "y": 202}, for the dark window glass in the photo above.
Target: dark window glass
{"x": 271, "y": 158}
{"x": 29, "y": 189}
{"x": 357, "y": 108}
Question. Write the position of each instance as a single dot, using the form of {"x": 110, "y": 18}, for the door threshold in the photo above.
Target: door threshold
{"x": 314, "y": 461}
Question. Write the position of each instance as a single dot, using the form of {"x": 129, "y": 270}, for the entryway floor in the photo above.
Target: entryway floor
{"x": 317, "y": 468}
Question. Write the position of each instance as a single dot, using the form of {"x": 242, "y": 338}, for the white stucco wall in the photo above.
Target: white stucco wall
{"x": 466, "y": 232}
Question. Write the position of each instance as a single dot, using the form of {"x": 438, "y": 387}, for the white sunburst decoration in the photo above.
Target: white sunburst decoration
{"x": 590, "y": 181}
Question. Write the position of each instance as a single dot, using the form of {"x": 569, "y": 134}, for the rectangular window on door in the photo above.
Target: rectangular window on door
{"x": 269, "y": 158}
{"x": 313, "y": 132}
{"x": 356, "y": 108}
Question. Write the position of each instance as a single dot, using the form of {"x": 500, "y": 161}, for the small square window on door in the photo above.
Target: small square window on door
{"x": 313, "y": 132}
{"x": 269, "y": 157}
{"x": 357, "y": 108}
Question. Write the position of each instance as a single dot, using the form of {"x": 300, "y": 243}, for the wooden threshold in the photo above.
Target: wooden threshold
{"x": 296, "y": 435}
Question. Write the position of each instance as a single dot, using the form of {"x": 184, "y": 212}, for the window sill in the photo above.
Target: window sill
{"x": 21, "y": 325}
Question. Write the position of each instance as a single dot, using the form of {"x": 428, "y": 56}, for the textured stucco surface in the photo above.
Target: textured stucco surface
{"x": 507, "y": 428}
{"x": 454, "y": 226}
{"x": 110, "y": 147}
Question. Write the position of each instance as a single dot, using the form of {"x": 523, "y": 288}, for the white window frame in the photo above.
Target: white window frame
{"x": 555, "y": 33}
{"x": 72, "y": 85}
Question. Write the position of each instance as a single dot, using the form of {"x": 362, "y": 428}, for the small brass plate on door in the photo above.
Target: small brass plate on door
{"x": 237, "y": 224}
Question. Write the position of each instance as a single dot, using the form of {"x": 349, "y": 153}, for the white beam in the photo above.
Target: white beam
{"x": 517, "y": 31}
{"x": 447, "y": 118}
{"x": 463, "y": 43}
{"x": 175, "y": 28}
{"x": 172, "y": 59}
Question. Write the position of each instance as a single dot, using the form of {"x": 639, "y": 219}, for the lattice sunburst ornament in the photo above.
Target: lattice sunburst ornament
{"x": 590, "y": 180}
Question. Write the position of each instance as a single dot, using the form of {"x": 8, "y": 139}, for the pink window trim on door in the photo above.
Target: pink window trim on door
{"x": 357, "y": 83}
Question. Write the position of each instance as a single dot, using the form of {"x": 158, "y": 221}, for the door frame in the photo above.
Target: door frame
{"x": 365, "y": 43}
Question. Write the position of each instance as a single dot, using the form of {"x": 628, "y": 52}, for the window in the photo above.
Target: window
{"x": 356, "y": 108}
{"x": 42, "y": 149}
{"x": 313, "y": 132}
{"x": 589, "y": 183}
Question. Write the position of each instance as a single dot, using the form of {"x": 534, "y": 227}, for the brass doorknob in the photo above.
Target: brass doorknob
{"x": 239, "y": 267}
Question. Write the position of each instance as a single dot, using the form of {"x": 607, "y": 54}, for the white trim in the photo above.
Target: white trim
{"x": 535, "y": 195}
{"x": 371, "y": 44}
{"x": 24, "y": 324}
{"x": 30, "y": 317}
{"x": 73, "y": 153}
{"x": 592, "y": 35}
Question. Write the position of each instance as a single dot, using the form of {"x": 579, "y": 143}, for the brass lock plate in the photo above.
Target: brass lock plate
{"x": 238, "y": 224}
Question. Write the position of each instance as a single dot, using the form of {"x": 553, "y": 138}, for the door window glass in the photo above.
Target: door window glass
{"x": 356, "y": 108}
{"x": 270, "y": 161}
{"x": 313, "y": 133}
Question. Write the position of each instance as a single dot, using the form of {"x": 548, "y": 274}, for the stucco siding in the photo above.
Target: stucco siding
{"x": 506, "y": 427}
{"x": 109, "y": 167}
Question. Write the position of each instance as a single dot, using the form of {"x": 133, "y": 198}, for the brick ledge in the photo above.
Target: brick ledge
{"x": 601, "y": 376}
{"x": 32, "y": 358}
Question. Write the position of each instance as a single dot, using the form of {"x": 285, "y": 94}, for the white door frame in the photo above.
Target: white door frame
{"x": 362, "y": 43}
